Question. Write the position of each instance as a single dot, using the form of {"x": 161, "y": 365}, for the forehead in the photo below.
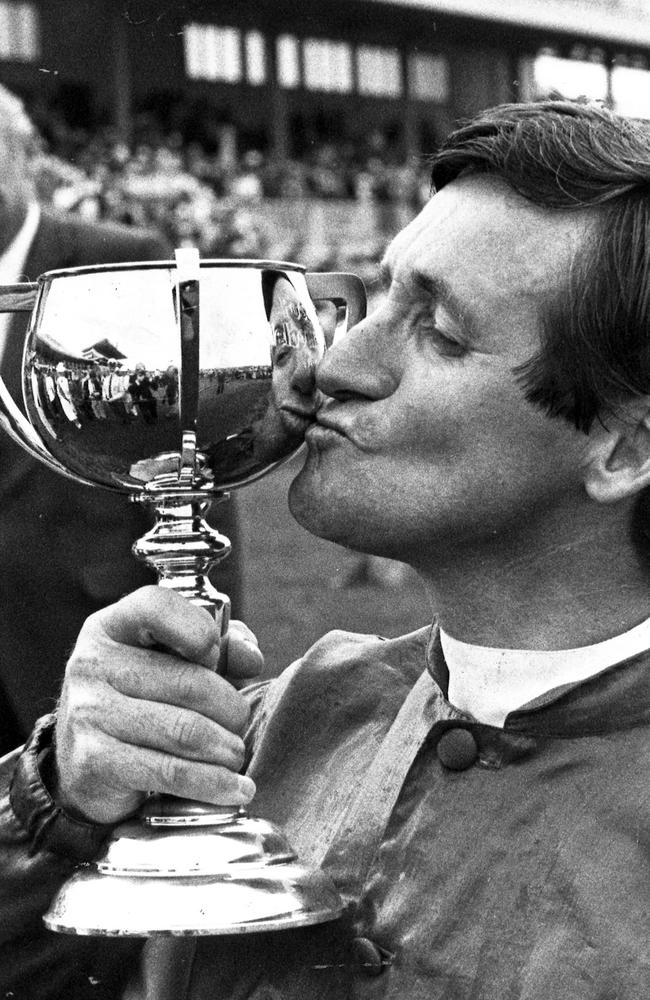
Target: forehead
{"x": 496, "y": 251}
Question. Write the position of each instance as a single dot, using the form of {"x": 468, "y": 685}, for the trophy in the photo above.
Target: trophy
{"x": 175, "y": 382}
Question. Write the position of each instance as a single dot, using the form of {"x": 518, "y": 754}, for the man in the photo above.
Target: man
{"x": 478, "y": 790}
{"x": 65, "y": 550}
{"x": 114, "y": 393}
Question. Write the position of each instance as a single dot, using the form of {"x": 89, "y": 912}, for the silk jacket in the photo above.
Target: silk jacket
{"x": 476, "y": 863}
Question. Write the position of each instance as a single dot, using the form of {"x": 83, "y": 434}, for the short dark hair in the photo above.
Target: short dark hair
{"x": 575, "y": 155}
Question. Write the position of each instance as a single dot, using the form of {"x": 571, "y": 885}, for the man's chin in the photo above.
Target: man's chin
{"x": 302, "y": 502}
{"x": 309, "y": 505}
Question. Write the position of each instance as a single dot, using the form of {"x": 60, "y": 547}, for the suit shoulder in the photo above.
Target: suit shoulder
{"x": 105, "y": 242}
{"x": 349, "y": 661}
{"x": 344, "y": 680}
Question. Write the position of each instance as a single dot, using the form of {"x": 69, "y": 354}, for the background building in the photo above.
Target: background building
{"x": 284, "y": 73}
{"x": 159, "y": 107}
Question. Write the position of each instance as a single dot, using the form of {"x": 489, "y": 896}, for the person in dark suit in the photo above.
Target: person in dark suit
{"x": 65, "y": 550}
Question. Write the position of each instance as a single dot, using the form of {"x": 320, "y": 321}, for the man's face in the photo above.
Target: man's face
{"x": 427, "y": 441}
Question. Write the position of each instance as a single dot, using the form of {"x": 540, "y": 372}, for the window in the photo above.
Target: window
{"x": 631, "y": 91}
{"x": 212, "y": 53}
{"x": 19, "y": 34}
{"x": 577, "y": 77}
{"x": 328, "y": 65}
{"x": 379, "y": 71}
{"x": 429, "y": 77}
{"x": 255, "y": 58}
{"x": 288, "y": 61}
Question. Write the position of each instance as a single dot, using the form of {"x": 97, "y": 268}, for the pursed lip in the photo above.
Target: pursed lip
{"x": 326, "y": 421}
{"x": 296, "y": 419}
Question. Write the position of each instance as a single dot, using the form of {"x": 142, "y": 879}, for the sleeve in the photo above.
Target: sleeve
{"x": 40, "y": 845}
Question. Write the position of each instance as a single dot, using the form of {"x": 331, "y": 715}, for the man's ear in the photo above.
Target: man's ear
{"x": 617, "y": 462}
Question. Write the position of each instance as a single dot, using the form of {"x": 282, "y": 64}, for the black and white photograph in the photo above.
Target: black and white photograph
{"x": 324, "y": 499}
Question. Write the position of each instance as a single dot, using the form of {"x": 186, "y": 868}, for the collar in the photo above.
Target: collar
{"x": 490, "y": 683}
{"x": 615, "y": 698}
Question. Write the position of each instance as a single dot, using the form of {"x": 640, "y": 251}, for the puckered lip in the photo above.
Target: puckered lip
{"x": 296, "y": 419}
{"x": 325, "y": 419}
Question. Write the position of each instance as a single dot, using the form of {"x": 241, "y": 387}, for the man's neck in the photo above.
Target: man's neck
{"x": 573, "y": 589}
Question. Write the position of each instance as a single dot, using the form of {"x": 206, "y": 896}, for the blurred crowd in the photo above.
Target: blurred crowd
{"x": 205, "y": 198}
{"x": 106, "y": 390}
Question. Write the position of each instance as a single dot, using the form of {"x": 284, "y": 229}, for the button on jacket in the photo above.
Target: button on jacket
{"x": 476, "y": 863}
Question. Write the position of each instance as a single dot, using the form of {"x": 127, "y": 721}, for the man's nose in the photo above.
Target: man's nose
{"x": 303, "y": 377}
{"x": 360, "y": 363}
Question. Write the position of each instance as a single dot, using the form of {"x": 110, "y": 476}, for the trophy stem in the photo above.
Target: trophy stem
{"x": 182, "y": 548}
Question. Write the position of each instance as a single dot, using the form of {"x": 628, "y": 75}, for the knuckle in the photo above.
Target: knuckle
{"x": 172, "y": 773}
{"x": 145, "y": 597}
{"x": 185, "y": 730}
{"x": 86, "y": 760}
{"x": 80, "y": 708}
{"x": 186, "y": 684}
{"x": 84, "y": 662}
{"x": 129, "y": 678}
{"x": 93, "y": 624}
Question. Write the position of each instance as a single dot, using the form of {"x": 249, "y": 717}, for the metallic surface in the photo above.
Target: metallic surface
{"x": 233, "y": 413}
{"x": 262, "y": 899}
{"x": 174, "y": 382}
{"x": 239, "y": 877}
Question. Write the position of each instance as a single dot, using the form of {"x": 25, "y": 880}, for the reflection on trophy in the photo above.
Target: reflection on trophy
{"x": 175, "y": 382}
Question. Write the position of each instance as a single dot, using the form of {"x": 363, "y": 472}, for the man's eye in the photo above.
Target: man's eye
{"x": 448, "y": 346}
{"x": 280, "y": 353}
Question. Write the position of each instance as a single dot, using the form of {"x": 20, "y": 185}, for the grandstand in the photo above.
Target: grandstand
{"x": 279, "y": 76}
{"x": 291, "y": 128}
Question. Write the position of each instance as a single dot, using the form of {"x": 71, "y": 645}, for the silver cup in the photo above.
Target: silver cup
{"x": 175, "y": 382}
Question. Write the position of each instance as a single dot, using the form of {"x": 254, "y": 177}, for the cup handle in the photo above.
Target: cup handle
{"x": 18, "y": 427}
{"x": 18, "y": 298}
{"x": 13, "y": 299}
{"x": 340, "y": 288}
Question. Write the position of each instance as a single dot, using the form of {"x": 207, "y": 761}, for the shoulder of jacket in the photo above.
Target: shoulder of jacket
{"x": 94, "y": 240}
{"x": 352, "y": 663}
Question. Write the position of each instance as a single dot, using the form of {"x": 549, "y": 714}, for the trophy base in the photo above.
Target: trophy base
{"x": 240, "y": 877}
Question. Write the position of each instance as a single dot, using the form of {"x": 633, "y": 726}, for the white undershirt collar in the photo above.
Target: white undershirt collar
{"x": 490, "y": 683}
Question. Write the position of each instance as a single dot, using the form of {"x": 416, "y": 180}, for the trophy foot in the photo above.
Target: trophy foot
{"x": 240, "y": 876}
{"x": 185, "y": 867}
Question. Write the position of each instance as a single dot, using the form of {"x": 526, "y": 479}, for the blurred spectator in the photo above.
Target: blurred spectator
{"x": 192, "y": 194}
{"x": 246, "y": 183}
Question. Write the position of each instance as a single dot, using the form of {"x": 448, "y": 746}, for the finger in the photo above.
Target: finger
{"x": 174, "y": 731}
{"x": 140, "y": 768}
{"x": 245, "y": 660}
{"x": 144, "y": 676}
{"x": 154, "y": 616}
{"x": 115, "y": 777}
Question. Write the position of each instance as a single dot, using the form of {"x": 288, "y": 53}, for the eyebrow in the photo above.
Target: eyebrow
{"x": 440, "y": 290}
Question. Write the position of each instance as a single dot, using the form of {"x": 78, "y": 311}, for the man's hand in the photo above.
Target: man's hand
{"x": 133, "y": 718}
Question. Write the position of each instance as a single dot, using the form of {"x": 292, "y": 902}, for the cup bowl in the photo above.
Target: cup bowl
{"x": 123, "y": 363}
